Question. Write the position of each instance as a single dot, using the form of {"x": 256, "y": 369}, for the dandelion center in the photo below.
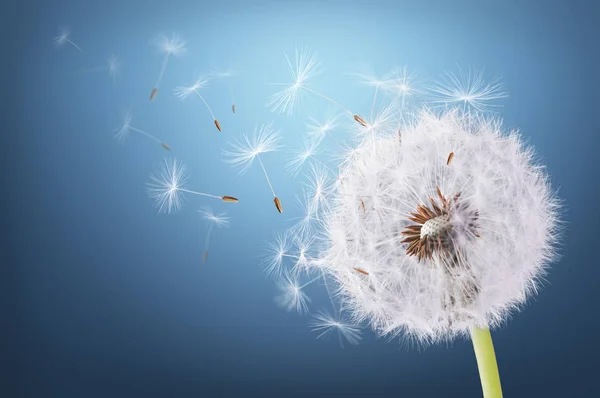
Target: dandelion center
{"x": 436, "y": 227}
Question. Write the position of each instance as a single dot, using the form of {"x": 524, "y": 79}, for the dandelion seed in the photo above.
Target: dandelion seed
{"x": 63, "y": 37}
{"x": 324, "y": 324}
{"x": 226, "y": 74}
{"x": 278, "y": 252}
{"x": 308, "y": 150}
{"x": 450, "y": 157}
{"x": 218, "y": 220}
{"x": 112, "y": 66}
{"x": 167, "y": 186}
{"x": 361, "y": 271}
{"x": 229, "y": 199}
{"x": 469, "y": 90}
{"x": 173, "y": 46}
{"x": 123, "y": 131}
{"x": 306, "y": 67}
{"x": 291, "y": 296}
{"x": 264, "y": 139}
{"x": 183, "y": 92}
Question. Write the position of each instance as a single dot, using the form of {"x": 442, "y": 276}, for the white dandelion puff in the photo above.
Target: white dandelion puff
{"x": 243, "y": 152}
{"x": 126, "y": 128}
{"x": 468, "y": 90}
{"x": 169, "y": 46}
{"x": 64, "y": 37}
{"x": 167, "y": 187}
{"x": 326, "y": 324}
{"x": 214, "y": 220}
{"x": 183, "y": 92}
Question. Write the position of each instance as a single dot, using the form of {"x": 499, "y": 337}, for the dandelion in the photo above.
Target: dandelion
{"x": 167, "y": 186}
{"x": 292, "y": 297}
{"x": 112, "y": 66}
{"x": 123, "y": 131}
{"x": 184, "y": 91}
{"x": 469, "y": 90}
{"x": 306, "y": 67}
{"x": 450, "y": 251}
{"x": 218, "y": 220}
{"x": 325, "y": 324}
{"x": 64, "y": 36}
{"x": 226, "y": 74}
{"x": 264, "y": 139}
{"x": 173, "y": 46}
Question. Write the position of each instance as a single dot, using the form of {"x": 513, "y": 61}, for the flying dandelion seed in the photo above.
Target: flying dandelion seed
{"x": 227, "y": 75}
{"x": 167, "y": 186}
{"x": 64, "y": 37}
{"x": 183, "y": 92}
{"x": 325, "y": 324}
{"x": 123, "y": 131}
{"x": 264, "y": 139}
{"x": 292, "y": 297}
{"x": 305, "y": 67}
{"x": 308, "y": 150}
{"x": 278, "y": 251}
{"x": 468, "y": 90}
{"x": 173, "y": 46}
{"x": 112, "y": 66}
{"x": 218, "y": 220}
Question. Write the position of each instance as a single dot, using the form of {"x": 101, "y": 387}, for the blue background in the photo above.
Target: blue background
{"x": 103, "y": 297}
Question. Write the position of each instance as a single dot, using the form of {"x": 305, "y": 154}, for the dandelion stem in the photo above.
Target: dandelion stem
{"x": 146, "y": 134}
{"x": 200, "y": 193}
{"x": 486, "y": 362}
{"x": 329, "y": 99}
{"x": 205, "y": 103}
{"x": 210, "y": 228}
{"x": 162, "y": 70}
{"x": 266, "y": 175}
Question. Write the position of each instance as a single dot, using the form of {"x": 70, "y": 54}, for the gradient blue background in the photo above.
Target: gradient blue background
{"x": 105, "y": 298}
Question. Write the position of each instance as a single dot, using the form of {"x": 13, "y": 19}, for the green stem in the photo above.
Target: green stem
{"x": 486, "y": 362}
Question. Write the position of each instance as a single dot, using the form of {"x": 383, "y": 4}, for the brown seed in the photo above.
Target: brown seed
{"x": 450, "y": 157}
{"x": 233, "y": 108}
{"x": 218, "y": 125}
{"x": 230, "y": 199}
{"x": 360, "y": 120}
{"x": 166, "y": 146}
{"x": 204, "y": 256}
{"x": 361, "y": 271}
{"x": 153, "y": 93}
{"x": 278, "y": 205}
{"x": 362, "y": 203}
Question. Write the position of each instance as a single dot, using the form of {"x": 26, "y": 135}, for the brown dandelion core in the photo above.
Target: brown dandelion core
{"x": 437, "y": 227}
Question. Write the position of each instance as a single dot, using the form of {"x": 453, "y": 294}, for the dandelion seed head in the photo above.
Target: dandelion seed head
{"x": 166, "y": 184}
{"x": 446, "y": 246}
